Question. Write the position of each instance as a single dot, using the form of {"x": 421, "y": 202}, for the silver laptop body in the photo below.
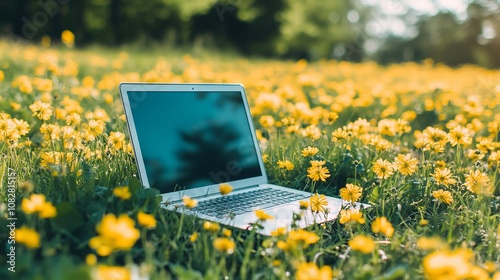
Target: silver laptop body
{"x": 190, "y": 138}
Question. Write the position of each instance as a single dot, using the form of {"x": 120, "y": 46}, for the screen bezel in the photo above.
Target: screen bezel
{"x": 125, "y": 88}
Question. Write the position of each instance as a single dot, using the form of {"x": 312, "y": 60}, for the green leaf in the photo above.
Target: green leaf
{"x": 134, "y": 185}
{"x": 183, "y": 273}
{"x": 101, "y": 192}
{"x": 147, "y": 193}
{"x": 64, "y": 268}
{"x": 68, "y": 218}
{"x": 396, "y": 272}
{"x": 95, "y": 210}
{"x": 373, "y": 198}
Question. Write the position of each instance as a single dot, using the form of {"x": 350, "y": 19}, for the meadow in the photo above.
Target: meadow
{"x": 417, "y": 141}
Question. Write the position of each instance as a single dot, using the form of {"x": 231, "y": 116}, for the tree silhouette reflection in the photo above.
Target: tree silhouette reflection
{"x": 204, "y": 141}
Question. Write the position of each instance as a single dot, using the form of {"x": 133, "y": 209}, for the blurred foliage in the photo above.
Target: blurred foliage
{"x": 448, "y": 39}
{"x": 280, "y": 28}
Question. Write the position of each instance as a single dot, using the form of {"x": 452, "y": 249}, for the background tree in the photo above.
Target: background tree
{"x": 283, "y": 28}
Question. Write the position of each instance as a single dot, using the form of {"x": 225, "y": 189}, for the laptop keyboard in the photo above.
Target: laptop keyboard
{"x": 246, "y": 202}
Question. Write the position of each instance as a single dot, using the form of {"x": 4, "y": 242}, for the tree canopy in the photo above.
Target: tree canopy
{"x": 281, "y": 28}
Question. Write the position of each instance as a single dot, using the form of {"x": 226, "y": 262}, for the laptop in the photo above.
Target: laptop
{"x": 190, "y": 138}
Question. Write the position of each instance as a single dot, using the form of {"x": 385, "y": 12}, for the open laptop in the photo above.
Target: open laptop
{"x": 190, "y": 138}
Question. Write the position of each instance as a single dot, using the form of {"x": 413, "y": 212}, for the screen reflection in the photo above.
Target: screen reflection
{"x": 194, "y": 139}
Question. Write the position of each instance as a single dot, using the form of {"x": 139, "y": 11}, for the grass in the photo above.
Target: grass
{"x": 420, "y": 141}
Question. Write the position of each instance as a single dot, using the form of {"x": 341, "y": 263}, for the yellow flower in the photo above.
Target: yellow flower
{"x": 423, "y": 222}
{"x": 88, "y": 82}
{"x": 225, "y": 188}
{"x": 146, "y": 220}
{"x": 437, "y": 147}
{"x": 7, "y": 126}
{"x": 310, "y": 271}
{"x": 475, "y": 155}
{"x": 317, "y": 163}
{"x": 193, "y": 237}
{"x": 23, "y": 82}
{"x": 265, "y": 157}
{"x": 318, "y": 203}
{"x": 278, "y": 232}
{"x": 350, "y": 217}
{"x": 15, "y": 106}
{"x": 2, "y": 75}
{"x": 339, "y": 134}
{"x": 224, "y": 245}
{"x": 435, "y": 135}
{"x": 108, "y": 98}
{"x": 362, "y": 243}
{"x": 460, "y": 136}
{"x": 422, "y": 144}
{"x": 443, "y": 176}
{"x": 68, "y": 38}
{"x": 266, "y": 121}
{"x": 262, "y": 216}
{"x": 73, "y": 119}
{"x": 282, "y": 245}
{"x": 409, "y": 115}
{"x": 189, "y": 202}
{"x": 226, "y": 232}
{"x": 309, "y": 151}
{"x": 22, "y": 126}
{"x": 312, "y": 132}
{"x": 41, "y": 110}
{"x": 37, "y": 204}
{"x": 383, "y": 168}
{"x": 285, "y": 164}
{"x": 490, "y": 266}
{"x": 317, "y": 173}
{"x": 478, "y": 183}
{"x": 90, "y": 259}
{"x": 211, "y": 226}
{"x": 114, "y": 234}
{"x": 448, "y": 264}
{"x": 47, "y": 159}
{"x": 431, "y": 243}
{"x": 387, "y": 127}
{"x": 382, "y": 225}
{"x": 122, "y": 192}
{"x": 105, "y": 272}
{"x": 443, "y": 196}
{"x": 380, "y": 143}
{"x": 27, "y": 236}
{"x": 351, "y": 192}
{"x": 406, "y": 164}
{"x": 94, "y": 128}
{"x": 116, "y": 140}
{"x": 26, "y": 186}
{"x": 301, "y": 237}
{"x": 330, "y": 117}
{"x": 304, "y": 204}
{"x": 476, "y": 272}
{"x": 485, "y": 145}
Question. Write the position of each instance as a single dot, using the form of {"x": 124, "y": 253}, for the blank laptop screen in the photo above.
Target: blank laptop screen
{"x": 193, "y": 139}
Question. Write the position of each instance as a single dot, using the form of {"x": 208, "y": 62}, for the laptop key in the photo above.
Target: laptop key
{"x": 267, "y": 205}
{"x": 237, "y": 204}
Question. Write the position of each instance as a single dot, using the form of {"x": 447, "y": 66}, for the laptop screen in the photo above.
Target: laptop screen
{"x": 193, "y": 139}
